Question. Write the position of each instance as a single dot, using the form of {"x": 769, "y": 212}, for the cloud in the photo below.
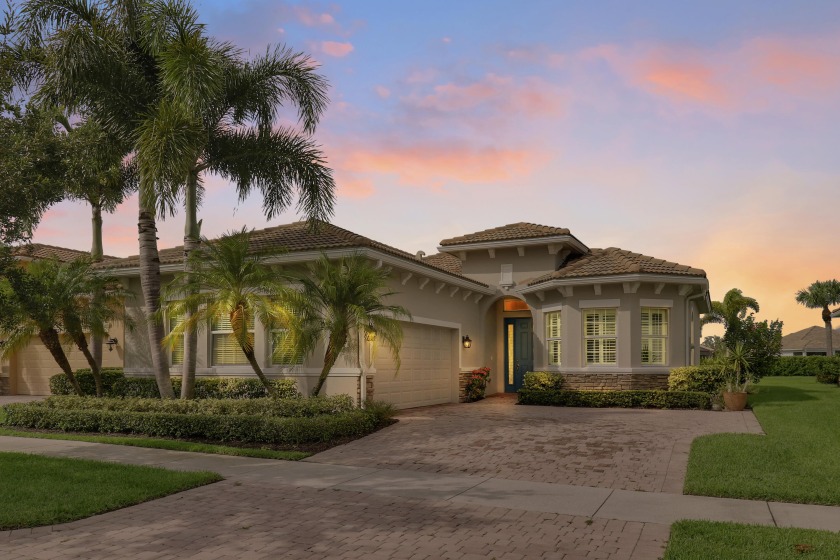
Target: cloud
{"x": 382, "y": 92}
{"x": 349, "y": 185}
{"x": 336, "y": 49}
{"x": 311, "y": 18}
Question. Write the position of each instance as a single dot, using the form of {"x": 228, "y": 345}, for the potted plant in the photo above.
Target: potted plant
{"x": 736, "y": 361}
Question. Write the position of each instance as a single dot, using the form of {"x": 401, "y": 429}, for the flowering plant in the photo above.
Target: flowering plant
{"x": 476, "y": 384}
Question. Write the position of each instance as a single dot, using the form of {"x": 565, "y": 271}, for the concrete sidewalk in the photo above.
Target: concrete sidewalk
{"x": 596, "y": 503}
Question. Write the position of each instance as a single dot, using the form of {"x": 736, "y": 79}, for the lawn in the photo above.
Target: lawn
{"x": 795, "y": 462}
{"x": 38, "y": 491}
{"x": 706, "y": 540}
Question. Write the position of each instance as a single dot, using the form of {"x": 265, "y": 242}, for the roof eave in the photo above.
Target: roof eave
{"x": 614, "y": 279}
{"x": 512, "y": 243}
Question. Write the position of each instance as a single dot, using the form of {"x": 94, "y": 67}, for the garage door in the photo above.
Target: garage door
{"x": 427, "y": 372}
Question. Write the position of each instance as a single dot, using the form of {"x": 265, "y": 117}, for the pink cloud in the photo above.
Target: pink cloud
{"x": 333, "y": 48}
{"x": 311, "y": 18}
{"x": 683, "y": 80}
{"x": 348, "y": 185}
{"x": 382, "y": 92}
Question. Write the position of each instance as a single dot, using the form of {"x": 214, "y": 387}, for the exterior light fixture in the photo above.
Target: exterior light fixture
{"x": 370, "y": 336}
{"x": 465, "y": 340}
{"x": 111, "y": 343}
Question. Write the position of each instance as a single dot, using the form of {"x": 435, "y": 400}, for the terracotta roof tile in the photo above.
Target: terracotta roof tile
{"x": 612, "y": 261}
{"x": 41, "y": 251}
{"x": 521, "y": 230}
{"x": 444, "y": 261}
{"x": 812, "y": 338}
{"x": 298, "y": 237}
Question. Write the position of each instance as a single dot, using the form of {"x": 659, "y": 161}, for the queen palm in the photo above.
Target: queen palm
{"x": 341, "y": 299}
{"x": 729, "y": 312}
{"x": 822, "y": 295}
{"x": 238, "y": 285}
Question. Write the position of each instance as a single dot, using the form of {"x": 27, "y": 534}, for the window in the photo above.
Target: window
{"x": 515, "y": 305}
{"x": 176, "y": 355}
{"x": 600, "y": 335}
{"x": 283, "y": 353}
{"x": 226, "y": 350}
{"x": 654, "y": 335}
{"x": 552, "y": 337}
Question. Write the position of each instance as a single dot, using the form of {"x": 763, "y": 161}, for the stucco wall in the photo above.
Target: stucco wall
{"x": 536, "y": 262}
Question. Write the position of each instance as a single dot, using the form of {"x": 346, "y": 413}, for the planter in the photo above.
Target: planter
{"x": 735, "y": 401}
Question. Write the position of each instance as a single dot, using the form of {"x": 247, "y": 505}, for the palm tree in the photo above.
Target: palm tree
{"x": 341, "y": 299}
{"x": 237, "y": 286}
{"x": 241, "y": 146}
{"x": 54, "y": 301}
{"x": 732, "y": 310}
{"x": 822, "y": 295}
{"x": 144, "y": 70}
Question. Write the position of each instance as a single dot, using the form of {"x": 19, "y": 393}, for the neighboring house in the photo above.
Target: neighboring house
{"x": 706, "y": 352}
{"x": 809, "y": 342}
{"x": 28, "y": 371}
{"x": 525, "y": 296}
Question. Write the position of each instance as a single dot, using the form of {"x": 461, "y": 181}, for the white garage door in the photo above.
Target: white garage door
{"x": 428, "y": 368}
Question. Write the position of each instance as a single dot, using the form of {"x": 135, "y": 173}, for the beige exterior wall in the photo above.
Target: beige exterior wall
{"x": 535, "y": 262}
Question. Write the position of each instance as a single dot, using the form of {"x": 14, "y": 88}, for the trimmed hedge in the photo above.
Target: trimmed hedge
{"x": 217, "y": 428}
{"x": 826, "y": 368}
{"x": 543, "y": 380}
{"x": 705, "y": 378}
{"x": 617, "y": 399}
{"x": 254, "y": 407}
{"x": 146, "y": 387}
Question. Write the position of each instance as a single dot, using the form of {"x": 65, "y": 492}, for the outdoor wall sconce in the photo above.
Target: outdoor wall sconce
{"x": 370, "y": 336}
{"x": 466, "y": 341}
{"x": 111, "y": 343}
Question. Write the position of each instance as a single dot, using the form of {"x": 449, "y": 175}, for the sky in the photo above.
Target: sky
{"x": 704, "y": 133}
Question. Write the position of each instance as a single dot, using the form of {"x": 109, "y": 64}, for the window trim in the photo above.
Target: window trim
{"x": 666, "y": 354}
{"x": 600, "y": 337}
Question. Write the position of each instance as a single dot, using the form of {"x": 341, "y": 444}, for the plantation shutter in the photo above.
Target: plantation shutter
{"x": 226, "y": 349}
{"x": 176, "y": 355}
{"x": 654, "y": 335}
{"x": 553, "y": 337}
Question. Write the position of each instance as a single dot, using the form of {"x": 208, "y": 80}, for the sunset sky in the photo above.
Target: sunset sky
{"x": 704, "y": 133}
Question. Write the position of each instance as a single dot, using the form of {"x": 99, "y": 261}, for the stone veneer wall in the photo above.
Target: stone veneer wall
{"x": 614, "y": 381}
{"x": 462, "y": 383}
{"x": 5, "y": 386}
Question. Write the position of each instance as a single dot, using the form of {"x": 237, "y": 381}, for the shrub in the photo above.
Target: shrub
{"x": 706, "y": 378}
{"x": 296, "y": 407}
{"x": 240, "y": 428}
{"x": 60, "y": 385}
{"x": 118, "y": 385}
{"x": 826, "y": 368}
{"x": 617, "y": 399}
{"x": 476, "y": 384}
{"x": 544, "y": 380}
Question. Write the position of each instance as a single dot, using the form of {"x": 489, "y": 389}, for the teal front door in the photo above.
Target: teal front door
{"x": 519, "y": 352}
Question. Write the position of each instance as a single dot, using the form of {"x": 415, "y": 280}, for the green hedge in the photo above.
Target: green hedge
{"x": 826, "y": 368}
{"x": 237, "y": 428}
{"x": 617, "y": 399}
{"x": 146, "y": 387}
{"x": 705, "y": 378}
{"x": 296, "y": 407}
{"x": 545, "y": 380}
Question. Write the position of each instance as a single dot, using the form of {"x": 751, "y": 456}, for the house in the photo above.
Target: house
{"x": 809, "y": 342}
{"x": 514, "y": 298}
{"x": 28, "y": 371}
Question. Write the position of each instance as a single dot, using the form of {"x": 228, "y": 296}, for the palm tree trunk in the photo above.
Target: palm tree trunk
{"x": 96, "y": 254}
{"x": 192, "y": 241}
{"x": 150, "y": 283}
{"x": 81, "y": 343}
{"x": 330, "y": 357}
{"x": 252, "y": 359}
{"x": 50, "y": 339}
{"x": 829, "y": 335}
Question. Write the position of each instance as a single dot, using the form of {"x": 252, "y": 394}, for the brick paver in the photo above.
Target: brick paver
{"x": 243, "y": 520}
{"x": 624, "y": 449}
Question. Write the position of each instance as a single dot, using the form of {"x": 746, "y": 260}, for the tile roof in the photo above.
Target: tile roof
{"x": 611, "y": 261}
{"x": 298, "y": 237}
{"x": 444, "y": 261}
{"x": 521, "y": 230}
{"x": 41, "y": 251}
{"x": 812, "y": 338}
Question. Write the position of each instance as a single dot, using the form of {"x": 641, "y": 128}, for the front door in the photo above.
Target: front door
{"x": 519, "y": 352}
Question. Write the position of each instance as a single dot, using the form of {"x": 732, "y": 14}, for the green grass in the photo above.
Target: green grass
{"x": 706, "y": 540}
{"x": 797, "y": 461}
{"x": 155, "y": 443}
{"x": 38, "y": 491}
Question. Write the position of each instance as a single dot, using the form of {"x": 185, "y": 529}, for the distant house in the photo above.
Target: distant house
{"x": 28, "y": 371}
{"x": 809, "y": 342}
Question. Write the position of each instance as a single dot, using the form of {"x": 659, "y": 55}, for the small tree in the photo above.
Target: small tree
{"x": 342, "y": 300}
{"x": 822, "y": 295}
{"x": 235, "y": 283}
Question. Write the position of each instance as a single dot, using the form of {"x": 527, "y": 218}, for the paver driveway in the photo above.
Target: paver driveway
{"x": 626, "y": 449}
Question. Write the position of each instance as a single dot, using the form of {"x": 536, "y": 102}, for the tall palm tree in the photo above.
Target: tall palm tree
{"x": 733, "y": 309}
{"x": 144, "y": 70}
{"x": 237, "y": 286}
{"x": 822, "y": 295}
{"x": 341, "y": 300}
{"x": 242, "y": 146}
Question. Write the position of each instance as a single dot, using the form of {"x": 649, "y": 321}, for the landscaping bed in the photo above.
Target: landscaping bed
{"x": 616, "y": 399}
